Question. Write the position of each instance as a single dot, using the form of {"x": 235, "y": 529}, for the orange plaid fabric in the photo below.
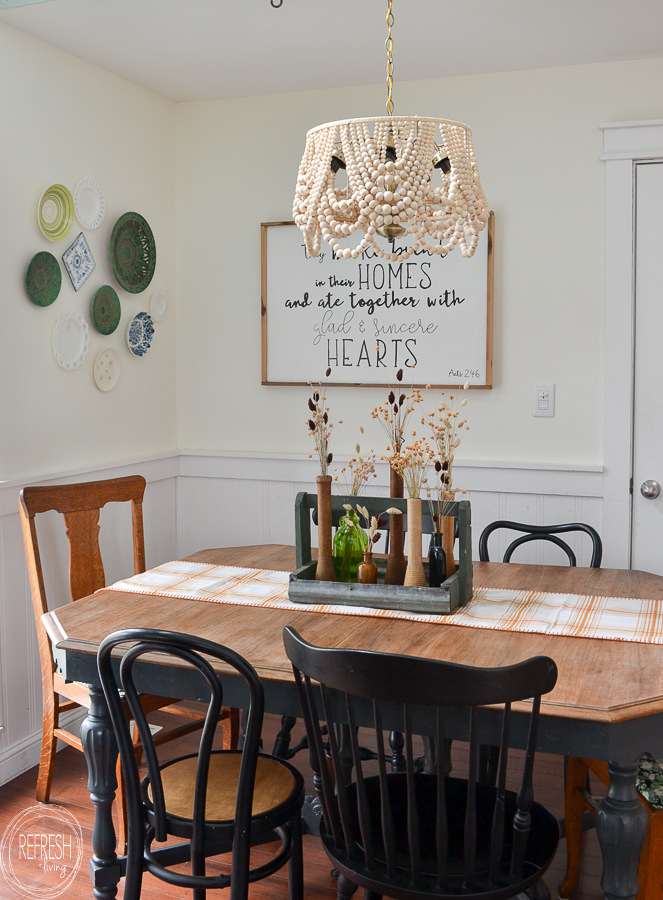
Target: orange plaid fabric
{"x": 574, "y": 615}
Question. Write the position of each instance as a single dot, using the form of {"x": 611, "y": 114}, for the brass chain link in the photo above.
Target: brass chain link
{"x": 389, "y": 47}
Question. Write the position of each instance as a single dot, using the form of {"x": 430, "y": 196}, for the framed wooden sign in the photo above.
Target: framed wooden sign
{"x": 367, "y": 317}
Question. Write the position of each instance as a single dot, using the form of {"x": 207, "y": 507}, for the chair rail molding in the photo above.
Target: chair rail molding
{"x": 624, "y": 144}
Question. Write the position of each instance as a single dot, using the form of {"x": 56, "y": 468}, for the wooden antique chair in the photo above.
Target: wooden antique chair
{"x": 413, "y": 834}
{"x": 549, "y": 533}
{"x": 80, "y": 506}
{"x": 214, "y": 801}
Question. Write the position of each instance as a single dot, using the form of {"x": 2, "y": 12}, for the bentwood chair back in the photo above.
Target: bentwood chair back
{"x": 215, "y": 801}
{"x": 424, "y": 834}
{"x": 548, "y": 533}
{"x": 80, "y": 506}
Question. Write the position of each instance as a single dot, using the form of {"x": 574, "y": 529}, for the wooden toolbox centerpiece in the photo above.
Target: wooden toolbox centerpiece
{"x": 455, "y": 591}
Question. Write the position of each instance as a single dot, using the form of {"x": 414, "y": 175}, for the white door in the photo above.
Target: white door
{"x": 647, "y": 533}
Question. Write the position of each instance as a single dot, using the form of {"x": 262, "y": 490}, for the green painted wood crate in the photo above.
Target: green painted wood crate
{"x": 454, "y": 592}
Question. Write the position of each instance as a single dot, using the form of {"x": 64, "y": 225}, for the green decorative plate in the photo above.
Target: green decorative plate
{"x": 56, "y": 212}
{"x": 43, "y": 278}
{"x": 105, "y": 310}
{"x": 133, "y": 253}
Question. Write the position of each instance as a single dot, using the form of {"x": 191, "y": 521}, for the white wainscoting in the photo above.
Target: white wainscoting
{"x": 196, "y": 500}
{"x": 230, "y": 499}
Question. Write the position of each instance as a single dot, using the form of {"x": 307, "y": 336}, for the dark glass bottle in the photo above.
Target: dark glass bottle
{"x": 437, "y": 561}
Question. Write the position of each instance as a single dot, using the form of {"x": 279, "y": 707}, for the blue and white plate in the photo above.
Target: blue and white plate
{"x": 140, "y": 333}
{"x": 78, "y": 261}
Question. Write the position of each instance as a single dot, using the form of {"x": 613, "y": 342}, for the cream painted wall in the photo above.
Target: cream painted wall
{"x": 190, "y": 169}
{"x": 538, "y": 144}
{"x": 62, "y": 120}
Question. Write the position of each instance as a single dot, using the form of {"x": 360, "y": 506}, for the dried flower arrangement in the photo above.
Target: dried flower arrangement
{"x": 412, "y": 465}
{"x": 373, "y": 523}
{"x": 446, "y": 426}
{"x": 357, "y": 471}
{"x": 393, "y": 414}
{"x": 319, "y": 425}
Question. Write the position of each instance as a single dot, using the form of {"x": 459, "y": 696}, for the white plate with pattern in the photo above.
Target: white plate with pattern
{"x": 89, "y": 203}
{"x": 71, "y": 340}
{"x": 107, "y": 369}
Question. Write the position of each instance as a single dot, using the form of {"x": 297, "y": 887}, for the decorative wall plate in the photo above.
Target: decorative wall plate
{"x": 140, "y": 333}
{"x": 133, "y": 253}
{"x": 89, "y": 203}
{"x": 105, "y": 310}
{"x": 71, "y": 340}
{"x": 55, "y": 212}
{"x": 159, "y": 306}
{"x": 107, "y": 369}
{"x": 43, "y": 278}
{"x": 78, "y": 261}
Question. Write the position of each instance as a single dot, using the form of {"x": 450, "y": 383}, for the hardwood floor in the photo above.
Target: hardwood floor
{"x": 69, "y": 791}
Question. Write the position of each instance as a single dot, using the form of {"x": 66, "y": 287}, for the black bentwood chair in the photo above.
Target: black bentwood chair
{"x": 217, "y": 801}
{"x": 547, "y": 533}
{"x": 415, "y": 835}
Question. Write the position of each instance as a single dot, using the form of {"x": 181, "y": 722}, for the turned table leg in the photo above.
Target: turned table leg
{"x": 621, "y": 826}
{"x": 100, "y": 751}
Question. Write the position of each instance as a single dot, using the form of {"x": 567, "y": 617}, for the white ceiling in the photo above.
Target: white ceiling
{"x": 207, "y": 49}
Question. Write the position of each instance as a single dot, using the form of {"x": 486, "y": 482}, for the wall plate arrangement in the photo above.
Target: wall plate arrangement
{"x": 43, "y": 278}
{"x": 133, "y": 252}
{"x": 78, "y": 261}
{"x": 140, "y": 333}
{"x": 55, "y": 212}
{"x": 89, "y": 203}
{"x": 105, "y": 310}
{"x": 107, "y": 369}
{"x": 71, "y": 340}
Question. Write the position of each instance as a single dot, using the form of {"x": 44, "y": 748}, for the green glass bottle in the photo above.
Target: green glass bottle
{"x": 350, "y": 541}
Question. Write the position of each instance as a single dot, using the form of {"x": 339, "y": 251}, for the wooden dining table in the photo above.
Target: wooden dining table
{"x": 607, "y": 703}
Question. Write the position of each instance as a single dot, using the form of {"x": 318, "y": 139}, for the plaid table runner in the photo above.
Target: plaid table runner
{"x": 573, "y": 615}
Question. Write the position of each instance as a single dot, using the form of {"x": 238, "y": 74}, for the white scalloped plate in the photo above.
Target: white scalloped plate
{"x": 107, "y": 369}
{"x": 89, "y": 203}
{"x": 71, "y": 340}
{"x": 159, "y": 306}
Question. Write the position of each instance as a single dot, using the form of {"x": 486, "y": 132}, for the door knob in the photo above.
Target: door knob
{"x": 650, "y": 489}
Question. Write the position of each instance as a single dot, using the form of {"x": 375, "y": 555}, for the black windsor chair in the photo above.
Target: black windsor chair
{"x": 413, "y": 835}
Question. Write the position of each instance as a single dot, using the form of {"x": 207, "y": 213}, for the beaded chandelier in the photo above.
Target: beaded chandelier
{"x": 403, "y": 177}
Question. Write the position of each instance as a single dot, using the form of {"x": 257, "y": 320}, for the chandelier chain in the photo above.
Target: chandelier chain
{"x": 389, "y": 47}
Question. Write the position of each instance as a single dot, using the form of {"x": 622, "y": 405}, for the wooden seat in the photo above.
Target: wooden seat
{"x": 416, "y": 835}
{"x": 80, "y": 506}
{"x": 577, "y": 801}
{"x": 549, "y": 533}
{"x": 214, "y": 801}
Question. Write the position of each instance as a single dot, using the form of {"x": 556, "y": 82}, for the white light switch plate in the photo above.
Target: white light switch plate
{"x": 544, "y": 400}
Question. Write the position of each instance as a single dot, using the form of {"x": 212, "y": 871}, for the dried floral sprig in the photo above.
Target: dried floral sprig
{"x": 446, "y": 425}
{"x": 357, "y": 471}
{"x": 393, "y": 414}
{"x": 319, "y": 425}
{"x": 373, "y": 523}
{"x": 412, "y": 465}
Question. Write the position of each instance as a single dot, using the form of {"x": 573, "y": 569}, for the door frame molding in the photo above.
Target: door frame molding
{"x": 624, "y": 144}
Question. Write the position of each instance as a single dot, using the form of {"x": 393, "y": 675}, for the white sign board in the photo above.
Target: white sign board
{"x": 367, "y": 317}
